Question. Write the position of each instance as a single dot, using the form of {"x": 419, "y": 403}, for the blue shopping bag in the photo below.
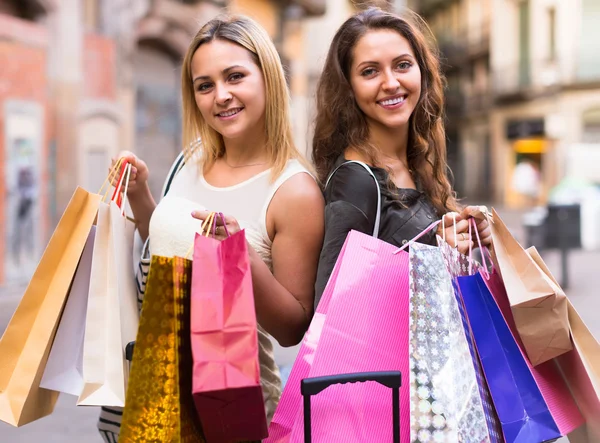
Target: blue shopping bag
{"x": 522, "y": 410}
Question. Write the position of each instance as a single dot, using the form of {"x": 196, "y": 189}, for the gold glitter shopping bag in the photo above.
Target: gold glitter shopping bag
{"x": 159, "y": 405}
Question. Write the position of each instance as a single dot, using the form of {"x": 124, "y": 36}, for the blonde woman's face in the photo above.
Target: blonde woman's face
{"x": 229, "y": 89}
{"x": 385, "y": 78}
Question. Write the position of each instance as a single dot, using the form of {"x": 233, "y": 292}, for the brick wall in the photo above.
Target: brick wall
{"x": 99, "y": 60}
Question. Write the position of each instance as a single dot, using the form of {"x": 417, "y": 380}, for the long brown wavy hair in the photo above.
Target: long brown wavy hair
{"x": 341, "y": 124}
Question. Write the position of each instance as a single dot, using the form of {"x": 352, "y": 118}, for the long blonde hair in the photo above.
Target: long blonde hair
{"x": 250, "y": 35}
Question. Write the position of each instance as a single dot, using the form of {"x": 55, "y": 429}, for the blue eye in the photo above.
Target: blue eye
{"x": 202, "y": 87}
{"x": 404, "y": 65}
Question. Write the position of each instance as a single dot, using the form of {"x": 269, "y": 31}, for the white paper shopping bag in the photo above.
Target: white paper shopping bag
{"x": 122, "y": 249}
{"x": 103, "y": 360}
{"x": 64, "y": 369}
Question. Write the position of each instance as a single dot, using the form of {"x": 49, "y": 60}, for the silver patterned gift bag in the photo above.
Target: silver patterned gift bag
{"x": 449, "y": 398}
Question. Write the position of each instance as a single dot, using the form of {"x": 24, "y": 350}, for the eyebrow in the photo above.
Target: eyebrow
{"x": 224, "y": 71}
{"x": 376, "y": 63}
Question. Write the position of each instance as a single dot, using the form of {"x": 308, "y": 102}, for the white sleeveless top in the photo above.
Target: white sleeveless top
{"x": 173, "y": 229}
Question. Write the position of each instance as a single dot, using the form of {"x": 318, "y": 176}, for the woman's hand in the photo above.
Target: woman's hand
{"x": 457, "y": 235}
{"x": 139, "y": 172}
{"x": 479, "y": 213}
{"x": 225, "y": 226}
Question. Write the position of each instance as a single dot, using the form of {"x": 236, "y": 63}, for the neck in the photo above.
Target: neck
{"x": 392, "y": 143}
{"x": 245, "y": 150}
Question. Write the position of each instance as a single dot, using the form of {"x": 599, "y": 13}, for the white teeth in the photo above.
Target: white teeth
{"x": 229, "y": 113}
{"x": 393, "y": 101}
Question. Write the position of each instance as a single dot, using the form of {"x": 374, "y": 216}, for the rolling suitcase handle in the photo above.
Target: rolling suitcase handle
{"x": 313, "y": 386}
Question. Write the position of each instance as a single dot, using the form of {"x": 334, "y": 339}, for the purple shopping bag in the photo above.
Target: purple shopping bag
{"x": 522, "y": 410}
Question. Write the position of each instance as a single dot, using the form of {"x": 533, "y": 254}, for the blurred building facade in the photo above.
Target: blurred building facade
{"x": 523, "y": 86}
{"x": 85, "y": 79}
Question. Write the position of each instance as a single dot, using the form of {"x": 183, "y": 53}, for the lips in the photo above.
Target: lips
{"x": 229, "y": 112}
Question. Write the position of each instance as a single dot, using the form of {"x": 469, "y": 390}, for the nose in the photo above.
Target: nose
{"x": 222, "y": 94}
{"x": 391, "y": 82}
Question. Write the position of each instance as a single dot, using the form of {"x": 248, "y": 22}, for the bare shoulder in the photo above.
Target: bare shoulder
{"x": 296, "y": 200}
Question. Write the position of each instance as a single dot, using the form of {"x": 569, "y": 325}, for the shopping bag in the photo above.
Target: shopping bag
{"x": 291, "y": 401}
{"x": 366, "y": 330}
{"x": 159, "y": 404}
{"x": 226, "y": 374}
{"x": 103, "y": 369}
{"x": 446, "y": 400}
{"x": 112, "y": 315}
{"x": 521, "y": 407}
{"x": 458, "y": 265}
{"x": 122, "y": 248}
{"x": 64, "y": 369}
{"x": 539, "y": 309}
{"x": 26, "y": 343}
{"x": 580, "y": 368}
{"x": 547, "y": 375}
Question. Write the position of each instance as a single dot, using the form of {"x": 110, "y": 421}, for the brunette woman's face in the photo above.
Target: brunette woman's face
{"x": 385, "y": 78}
{"x": 229, "y": 89}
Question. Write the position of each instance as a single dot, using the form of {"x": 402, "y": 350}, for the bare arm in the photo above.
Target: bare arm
{"x": 142, "y": 205}
{"x": 284, "y": 299}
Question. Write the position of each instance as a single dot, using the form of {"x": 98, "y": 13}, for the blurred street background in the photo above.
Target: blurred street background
{"x": 81, "y": 80}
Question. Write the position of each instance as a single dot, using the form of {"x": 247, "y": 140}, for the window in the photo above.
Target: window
{"x": 552, "y": 33}
{"x": 524, "y": 43}
{"x": 591, "y": 126}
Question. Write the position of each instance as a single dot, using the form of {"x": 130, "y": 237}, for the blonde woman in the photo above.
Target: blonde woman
{"x": 235, "y": 100}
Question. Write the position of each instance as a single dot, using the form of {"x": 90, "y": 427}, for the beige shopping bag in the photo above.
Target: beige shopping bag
{"x": 539, "y": 307}
{"x": 26, "y": 343}
{"x": 112, "y": 314}
{"x": 580, "y": 368}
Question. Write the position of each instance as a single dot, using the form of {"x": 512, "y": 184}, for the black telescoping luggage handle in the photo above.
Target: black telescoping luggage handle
{"x": 313, "y": 386}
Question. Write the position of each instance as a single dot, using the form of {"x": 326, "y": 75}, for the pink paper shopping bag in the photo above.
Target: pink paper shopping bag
{"x": 226, "y": 373}
{"x": 366, "y": 331}
{"x": 290, "y": 403}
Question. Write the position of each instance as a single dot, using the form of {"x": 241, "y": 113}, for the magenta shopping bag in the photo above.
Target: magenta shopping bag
{"x": 290, "y": 403}
{"x": 366, "y": 331}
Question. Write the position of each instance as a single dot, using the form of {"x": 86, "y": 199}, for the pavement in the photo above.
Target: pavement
{"x": 71, "y": 424}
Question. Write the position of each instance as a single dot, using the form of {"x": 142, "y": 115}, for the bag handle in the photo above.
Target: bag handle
{"x": 485, "y": 252}
{"x": 364, "y": 165}
{"x": 111, "y": 174}
{"x": 425, "y": 231}
{"x": 209, "y": 225}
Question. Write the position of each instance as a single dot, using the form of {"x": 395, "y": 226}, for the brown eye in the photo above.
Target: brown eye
{"x": 236, "y": 76}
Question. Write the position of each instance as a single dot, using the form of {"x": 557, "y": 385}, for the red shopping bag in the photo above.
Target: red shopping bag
{"x": 226, "y": 373}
